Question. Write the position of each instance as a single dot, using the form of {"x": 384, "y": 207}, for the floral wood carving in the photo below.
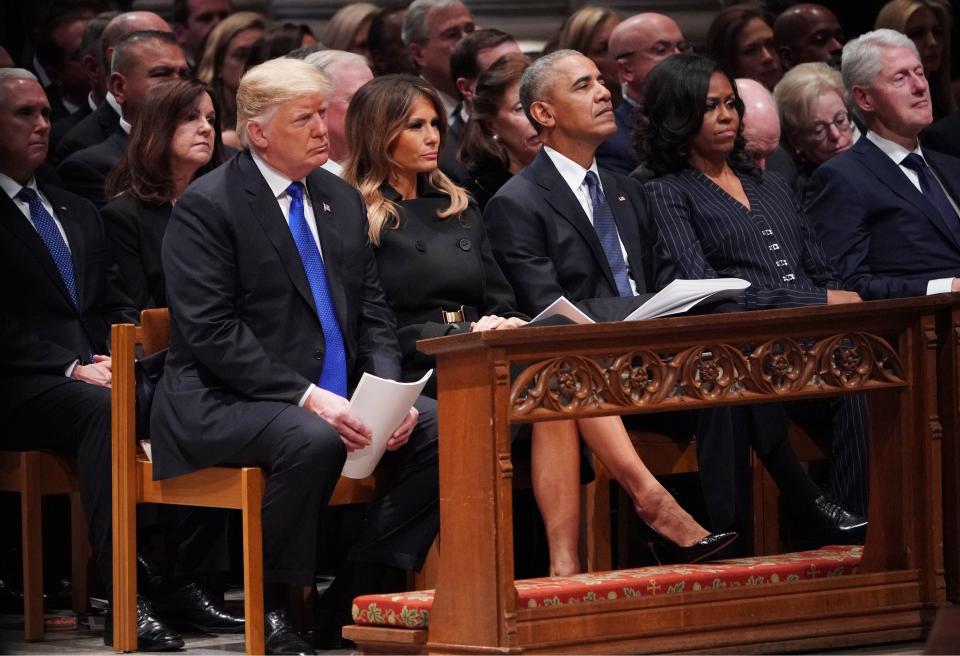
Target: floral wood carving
{"x": 710, "y": 372}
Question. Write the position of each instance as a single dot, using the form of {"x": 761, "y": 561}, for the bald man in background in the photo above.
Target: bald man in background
{"x": 808, "y": 33}
{"x": 761, "y": 130}
{"x": 637, "y": 44}
{"x": 99, "y": 125}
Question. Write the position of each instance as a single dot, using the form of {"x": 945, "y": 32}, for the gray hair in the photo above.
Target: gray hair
{"x": 860, "y": 64}
{"x": 535, "y": 80}
{"x": 799, "y": 88}
{"x": 14, "y": 74}
{"x": 415, "y": 21}
{"x": 324, "y": 59}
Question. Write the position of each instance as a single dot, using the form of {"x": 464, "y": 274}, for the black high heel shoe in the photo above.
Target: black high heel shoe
{"x": 667, "y": 552}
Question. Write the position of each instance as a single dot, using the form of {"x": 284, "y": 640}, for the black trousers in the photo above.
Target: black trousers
{"x": 73, "y": 418}
{"x": 304, "y": 456}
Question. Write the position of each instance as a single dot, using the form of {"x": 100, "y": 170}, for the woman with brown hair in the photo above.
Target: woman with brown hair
{"x": 928, "y": 24}
{"x": 224, "y": 62}
{"x": 587, "y": 31}
{"x": 440, "y": 278}
{"x": 349, "y": 28}
{"x": 175, "y": 139}
{"x": 499, "y": 139}
{"x": 740, "y": 39}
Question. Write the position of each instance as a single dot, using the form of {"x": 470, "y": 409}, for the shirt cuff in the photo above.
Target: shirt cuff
{"x": 303, "y": 399}
{"x": 68, "y": 372}
{"x": 939, "y": 286}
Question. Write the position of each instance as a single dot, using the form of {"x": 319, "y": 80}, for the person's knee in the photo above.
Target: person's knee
{"x": 313, "y": 443}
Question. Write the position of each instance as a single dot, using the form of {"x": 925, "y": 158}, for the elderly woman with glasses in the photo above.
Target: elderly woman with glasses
{"x": 814, "y": 117}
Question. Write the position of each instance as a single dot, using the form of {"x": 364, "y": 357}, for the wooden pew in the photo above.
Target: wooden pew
{"x": 885, "y": 349}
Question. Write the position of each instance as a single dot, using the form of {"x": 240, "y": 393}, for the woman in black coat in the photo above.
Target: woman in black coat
{"x": 440, "y": 277}
{"x": 175, "y": 139}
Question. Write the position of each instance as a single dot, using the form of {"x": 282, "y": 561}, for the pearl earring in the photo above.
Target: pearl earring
{"x": 496, "y": 137}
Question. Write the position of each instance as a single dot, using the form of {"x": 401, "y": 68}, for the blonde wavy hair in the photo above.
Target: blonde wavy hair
{"x": 275, "y": 81}
{"x": 375, "y": 118}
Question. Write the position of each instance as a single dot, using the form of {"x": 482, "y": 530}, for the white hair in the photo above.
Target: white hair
{"x": 14, "y": 74}
{"x": 271, "y": 83}
{"x": 415, "y": 20}
{"x": 325, "y": 59}
{"x": 860, "y": 63}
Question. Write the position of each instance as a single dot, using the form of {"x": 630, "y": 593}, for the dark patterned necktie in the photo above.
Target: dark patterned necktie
{"x": 606, "y": 229}
{"x": 933, "y": 192}
{"x": 54, "y": 241}
{"x": 333, "y": 376}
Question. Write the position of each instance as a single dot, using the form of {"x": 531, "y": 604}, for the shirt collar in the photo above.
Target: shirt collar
{"x": 125, "y": 125}
{"x": 93, "y": 105}
{"x": 112, "y": 101}
{"x": 277, "y": 181}
{"x": 11, "y": 187}
{"x": 571, "y": 172}
{"x": 894, "y": 151}
{"x": 626, "y": 97}
{"x": 334, "y": 167}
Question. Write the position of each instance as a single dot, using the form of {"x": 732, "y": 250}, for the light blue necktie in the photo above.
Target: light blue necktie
{"x": 333, "y": 376}
{"x": 47, "y": 229}
{"x": 606, "y": 229}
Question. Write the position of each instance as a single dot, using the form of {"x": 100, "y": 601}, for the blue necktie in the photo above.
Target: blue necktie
{"x": 333, "y": 376}
{"x": 606, "y": 229}
{"x": 47, "y": 229}
{"x": 933, "y": 192}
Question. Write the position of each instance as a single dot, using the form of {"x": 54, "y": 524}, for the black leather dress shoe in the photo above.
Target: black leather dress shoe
{"x": 833, "y": 524}
{"x": 193, "y": 607}
{"x": 280, "y": 637}
{"x": 152, "y": 634}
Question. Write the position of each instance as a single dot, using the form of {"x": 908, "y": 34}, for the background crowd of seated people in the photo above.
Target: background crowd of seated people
{"x": 461, "y": 176}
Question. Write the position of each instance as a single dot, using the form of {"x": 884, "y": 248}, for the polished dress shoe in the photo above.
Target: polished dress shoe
{"x": 193, "y": 607}
{"x": 280, "y": 637}
{"x": 667, "y": 552}
{"x": 830, "y": 523}
{"x": 152, "y": 634}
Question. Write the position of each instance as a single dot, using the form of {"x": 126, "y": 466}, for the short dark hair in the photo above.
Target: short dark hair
{"x": 670, "y": 116}
{"x": 181, "y": 11}
{"x": 93, "y": 32}
{"x": 463, "y": 60}
{"x": 725, "y": 30}
{"x": 121, "y": 51}
{"x": 278, "y": 41}
{"x": 144, "y": 169}
{"x": 49, "y": 53}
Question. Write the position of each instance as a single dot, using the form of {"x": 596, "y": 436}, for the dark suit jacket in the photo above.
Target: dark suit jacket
{"x": 85, "y": 172}
{"x": 449, "y": 161}
{"x": 43, "y": 332}
{"x": 135, "y": 233}
{"x": 63, "y": 125}
{"x": 886, "y": 239}
{"x": 548, "y": 248}
{"x": 944, "y": 135}
{"x": 416, "y": 261}
{"x": 246, "y": 341}
{"x": 90, "y": 131}
{"x": 616, "y": 153}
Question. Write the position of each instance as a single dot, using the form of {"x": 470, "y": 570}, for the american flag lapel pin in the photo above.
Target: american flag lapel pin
{"x": 326, "y": 208}
{"x": 621, "y": 198}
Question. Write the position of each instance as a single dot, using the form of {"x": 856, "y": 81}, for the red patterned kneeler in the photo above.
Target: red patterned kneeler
{"x": 412, "y": 609}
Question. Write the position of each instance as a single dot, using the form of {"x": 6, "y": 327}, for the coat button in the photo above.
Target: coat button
{"x": 421, "y": 246}
{"x": 318, "y": 354}
{"x": 465, "y": 244}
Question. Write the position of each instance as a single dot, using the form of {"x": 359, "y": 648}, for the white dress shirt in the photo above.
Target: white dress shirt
{"x": 897, "y": 153}
{"x": 333, "y": 167}
{"x": 278, "y": 183}
{"x": 576, "y": 178}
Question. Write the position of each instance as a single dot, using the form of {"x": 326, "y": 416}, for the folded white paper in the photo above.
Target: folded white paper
{"x": 381, "y": 405}
{"x": 679, "y": 296}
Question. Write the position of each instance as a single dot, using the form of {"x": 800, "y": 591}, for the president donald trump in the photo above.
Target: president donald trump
{"x": 276, "y": 311}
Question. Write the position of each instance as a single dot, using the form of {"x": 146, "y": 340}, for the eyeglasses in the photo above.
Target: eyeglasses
{"x": 821, "y": 130}
{"x": 659, "y": 49}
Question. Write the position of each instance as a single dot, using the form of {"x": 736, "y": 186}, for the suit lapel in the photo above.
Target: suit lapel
{"x": 562, "y": 199}
{"x": 891, "y": 175}
{"x": 22, "y": 230}
{"x": 331, "y": 246}
{"x": 624, "y": 214}
{"x": 266, "y": 209}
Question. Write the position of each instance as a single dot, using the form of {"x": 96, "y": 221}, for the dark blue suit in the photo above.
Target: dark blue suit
{"x": 886, "y": 239}
{"x": 616, "y": 153}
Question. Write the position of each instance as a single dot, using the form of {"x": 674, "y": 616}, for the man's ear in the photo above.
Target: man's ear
{"x": 465, "y": 88}
{"x": 117, "y": 84}
{"x": 786, "y": 56}
{"x": 543, "y": 114}
{"x": 624, "y": 71}
{"x": 862, "y": 98}
{"x": 256, "y": 136}
{"x": 416, "y": 54}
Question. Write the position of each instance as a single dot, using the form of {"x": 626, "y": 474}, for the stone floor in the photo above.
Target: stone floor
{"x": 86, "y": 641}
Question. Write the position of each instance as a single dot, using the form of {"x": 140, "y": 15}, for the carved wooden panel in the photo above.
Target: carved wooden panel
{"x": 708, "y": 372}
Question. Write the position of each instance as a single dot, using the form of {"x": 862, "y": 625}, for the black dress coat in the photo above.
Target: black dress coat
{"x": 547, "y": 247}
{"x": 90, "y": 131}
{"x": 85, "y": 171}
{"x": 135, "y": 233}
{"x": 484, "y": 181}
{"x": 246, "y": 341}
{"x": 429, "y": 264}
